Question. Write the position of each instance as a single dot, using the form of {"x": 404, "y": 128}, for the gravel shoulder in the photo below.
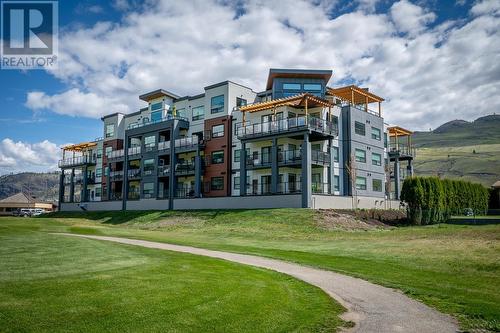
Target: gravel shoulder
{"x": 371, "y": 307}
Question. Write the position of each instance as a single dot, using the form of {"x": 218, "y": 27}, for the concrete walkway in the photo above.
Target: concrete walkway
{"x": 372, "y": 307}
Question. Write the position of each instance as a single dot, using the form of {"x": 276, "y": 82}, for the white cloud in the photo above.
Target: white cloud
{"x": 486, "y": 7}
{"x": 24, "y": 156}
{"x": 427, "y": 74}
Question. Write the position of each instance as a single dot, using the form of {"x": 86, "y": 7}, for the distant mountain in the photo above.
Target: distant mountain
{"x": 456, "y": 133}
{"x": 461, "y": 149}
{"x": 43, "y": 186}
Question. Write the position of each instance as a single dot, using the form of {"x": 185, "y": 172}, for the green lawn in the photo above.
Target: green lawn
{"x": 53, "y": 283}
{"x": 453, "y": 268}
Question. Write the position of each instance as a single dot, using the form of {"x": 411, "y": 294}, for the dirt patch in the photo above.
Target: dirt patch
{"x": 330, "y": 219}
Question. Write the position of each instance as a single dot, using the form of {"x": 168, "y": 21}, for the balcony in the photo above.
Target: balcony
{"x": 163, "y": 145}
{"x": 186, "y": 144}
{"x": 287, "y": 158}
{"x": 78, "y": 179}
{"x": 184, "y": 192}
{"x": 163, "y": 170}
{"x": 290, "y": 157}
{"x": 148, "y": 123}
{"x": 320, "y": 157}
{"x": 184, "y": 169}
{"x": 134, "y": 151}
{"x": 403, "y": 151}
{"x": 77, "y": 161}
{"x": 134, "y": 173}
{"x": 116, "y": 175}
{"x": 259, "y": 160}
{"x": 115, "y": 154}
{"x": 290, "y": 125}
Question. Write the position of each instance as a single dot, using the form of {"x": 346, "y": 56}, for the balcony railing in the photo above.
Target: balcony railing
{"x": 403, "y": 149}
{"x": 134, "y": 173}
{"x": 74, "y": 161}
{"x": 287, "y": 157}
{"x": 115, "y": 154}
{"x": 289, "y": 187}
{"x": 187, "y": 142}
{"x": 184, "y": 168}
{"x": 320, "y": 157}
{"x": 163, "y": 170}
{"x": 116, "y": 196}
{"x": 134, "y": 150}
{"x": 287, "y": 125}
{"x": 257, "y": 159}
{"x": 147, "y": 123}
{"x": 116, "y": 175}
{"x": 290, "y": 156}
{"x": 134, "y": 195}
{"x": 163, "y": 145}
{"x": 184, "y": 192}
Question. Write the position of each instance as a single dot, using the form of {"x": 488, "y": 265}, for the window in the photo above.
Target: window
{"x": 218, "y": 157}
{"x": 385, "y": 140}
{"x": 360, "y": 156}
{"x": 376, "y": 133}
{"x": 198, "y": 113}
{"x": 108, "y": 150}
{"x": 312, "y": 86}
{"x": 149, "y": 166}
{"x": 376, "y": 159}
{"x": 98, "y": 172}
{"x": 360, "y": 183}
{"x": 98, "y": 192}
{"x": 217, "y": 131}
{"x": 316, "y": 146}
{"x": 237, "y": 155}
{"x": 99, "y": 153}
{"x": 265, "y": 153}
{"x": 335, "y": 120}
{"x": 377, "y": 185}
{"x": 149, "y": 142}
{"x": 181, "y": 113}
{"x": 291, "y": 86}
{"x": 217, "y": 183}
{"x": 148, "y": 190}
{"x": 157, "y": 106}
{"x": 359, "y": 128}
{"x": 241, "y": 101}
{"x": 217, "y": 104}
{"x": 236, "y": 183}
{"x": 156, "y": 116}
{"x": 110, "y": 130}
{"x": 335, "y": 154}
{"x": 336, "y": 183}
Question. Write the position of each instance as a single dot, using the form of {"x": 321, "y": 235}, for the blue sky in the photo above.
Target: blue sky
{"x": 433, "y": 61}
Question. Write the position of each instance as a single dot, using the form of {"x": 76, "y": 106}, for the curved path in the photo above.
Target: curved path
{"x": 372, "y": 307}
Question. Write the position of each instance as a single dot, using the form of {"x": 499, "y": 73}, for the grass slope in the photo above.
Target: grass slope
{"x": 53, "y": 283}
{"x": 453, "y": 268}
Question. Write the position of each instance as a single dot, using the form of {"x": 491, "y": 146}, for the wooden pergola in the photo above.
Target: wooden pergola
{"x": 356, "y": 95}
{"x": 397, "y": 132}
{"x": 304, "y": 100}
{"x": 78, "y": 148}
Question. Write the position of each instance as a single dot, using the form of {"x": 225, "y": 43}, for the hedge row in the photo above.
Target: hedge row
{"x": 433, "y": 200}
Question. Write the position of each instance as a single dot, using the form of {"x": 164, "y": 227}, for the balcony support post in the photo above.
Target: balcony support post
{"x": 197, "y": 173}
{"x": 331, "y": 173}
{"x": 61, "y": 189}
{"x": 108, "y": 181}
{"x": 243, "y": 169}
{"x": 306, "y": 172}
{"x": 409, "y": 168}
{"x": 125, "y": 183}
{"x": 72, "y": 186}
{"x": 172, "y": 186}
{"x": 85, "y": 184}
{"x": 396, "y": 177}
{"x": 274, "y": 166}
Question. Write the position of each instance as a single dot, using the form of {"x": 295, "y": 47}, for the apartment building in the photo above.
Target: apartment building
{"x": 298, "y": 143}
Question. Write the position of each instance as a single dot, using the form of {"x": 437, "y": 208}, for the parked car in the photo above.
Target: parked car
{"x": 37, "y": 212}
{"x": 24, "y": 212}
{"x": 469, "y": 212}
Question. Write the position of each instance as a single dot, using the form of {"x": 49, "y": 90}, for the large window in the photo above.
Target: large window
{"x": 217, "y": 104}
{"x": 236, "y": 183}
{"x": 99, "y": 153}
{"x": 336, "y": 183}
{"x": 377, "y": 185}
{"x": 148, "y": 190}
{"x": 110, "y": 130}
{"x": 218, "y": 131}
{"x": 335, "y": 154}
{"x": 218, "y": 157}
{"x": 156, "y": 106}
{"x": 108, "y": 150}
{"x": 237, "y": 155}
{"x": 156, "y": 116}
{"x": 291, "y": 86}
{"x": 376, "y": 133}
{"x": 98, "y": 172}
{"x": 359, "y": 128}
{"x": 360, "y": 155}
{"x": 217, "y": 183}
{"x": 198, "y": 113}
{"x": 149, "y": 142}
{"x": 376, "y": 159}
{"x": 240, "y": 101}
{"x": 181, "y": 113}
{"x": 149, "y": 166}
{"x": 360, "y": 183}
{"x": 312, "y": 87}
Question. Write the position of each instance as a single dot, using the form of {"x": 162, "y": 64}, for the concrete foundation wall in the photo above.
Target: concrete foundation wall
{"x": 147, "y": 204}
{"x": 249, "y": 202}
{"x": 341, "y": 202}
{"x": 91, "y": 206}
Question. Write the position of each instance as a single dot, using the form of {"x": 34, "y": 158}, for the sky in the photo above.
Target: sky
{"x": 433, "y": 61}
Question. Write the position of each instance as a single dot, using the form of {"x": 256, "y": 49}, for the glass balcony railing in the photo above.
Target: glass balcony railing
{"x": 116, "y": 175}
{"x": 134, "y": 173}
{"x": 287, "y": 125}
{"x": 134, "y": 150}
{"x": 184, "y": 168}
{"x": 74, "y": 161}
{"x": 186, "y": 142}
{"x": 147, "y": 123}
{"x": 115, "y": 154}
{"x": 163, "y": 170}
{"x": 163, "y": 145}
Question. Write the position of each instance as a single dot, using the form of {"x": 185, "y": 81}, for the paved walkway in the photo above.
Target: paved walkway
{"x": 372, "y": 307}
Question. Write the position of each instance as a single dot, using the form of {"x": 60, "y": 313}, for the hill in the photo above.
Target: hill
{"x": 461, "y": 149}
{"x": 44, "y": 186}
